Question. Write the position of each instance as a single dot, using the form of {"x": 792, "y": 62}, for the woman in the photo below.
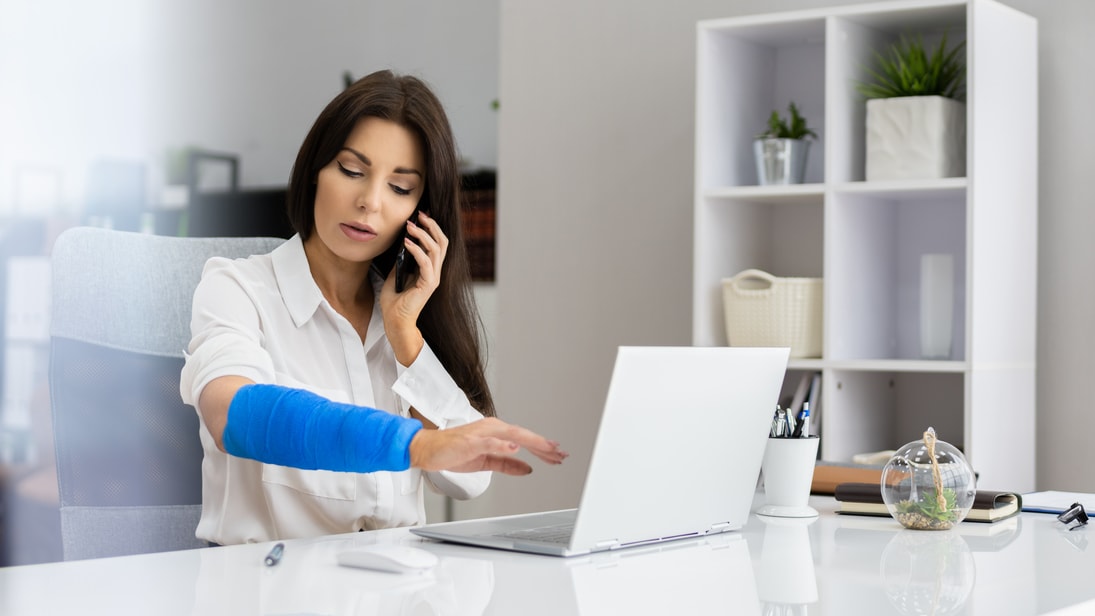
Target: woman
{"x": 292, "y": 351}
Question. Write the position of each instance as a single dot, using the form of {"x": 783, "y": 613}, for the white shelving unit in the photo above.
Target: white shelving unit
{"x": 865, "y": 238}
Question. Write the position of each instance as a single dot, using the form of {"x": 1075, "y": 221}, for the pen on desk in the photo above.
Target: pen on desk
{"x": 274, "y": 557}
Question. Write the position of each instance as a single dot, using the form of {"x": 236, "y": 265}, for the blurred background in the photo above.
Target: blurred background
{"x": 184, "y": 118}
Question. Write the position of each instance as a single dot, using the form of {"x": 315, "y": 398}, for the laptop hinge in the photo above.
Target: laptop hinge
{"x": 603, "y": 546}
{"x": 721, "y": 527}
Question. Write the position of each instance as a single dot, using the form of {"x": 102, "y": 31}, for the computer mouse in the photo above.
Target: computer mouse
{"x": 388, "y": 557}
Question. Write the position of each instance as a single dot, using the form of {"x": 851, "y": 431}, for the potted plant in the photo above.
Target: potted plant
{"x": 916, "y": 117}
{"x": 781, "y": 149}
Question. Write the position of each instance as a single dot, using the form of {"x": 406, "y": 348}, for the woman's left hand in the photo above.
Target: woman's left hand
{"x": 400, "y": 310}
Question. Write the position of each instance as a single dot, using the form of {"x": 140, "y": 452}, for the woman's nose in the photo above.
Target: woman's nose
{"x": 369, "y": 197}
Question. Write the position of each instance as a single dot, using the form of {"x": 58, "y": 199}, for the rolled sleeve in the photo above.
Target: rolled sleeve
{"x": 461, "y": 486}
{"x": 226, "y": 334}
{"x": 427, "y": 387}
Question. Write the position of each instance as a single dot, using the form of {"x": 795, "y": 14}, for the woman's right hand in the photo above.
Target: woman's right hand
{"x": 488, "y": 444}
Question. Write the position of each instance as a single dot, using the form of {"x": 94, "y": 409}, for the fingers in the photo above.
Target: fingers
{"x": 436, "y": 236}
{"x": 429, "y": 247}
{"x": 543, "y": 448}
{"x": 508, "y": 466}
{"x": 487, "y": 444}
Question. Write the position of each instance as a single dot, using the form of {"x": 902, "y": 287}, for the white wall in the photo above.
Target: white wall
{"x": 595, "y": 194}
{"x": 1066, "y": 253}
{"x": 595, "y": 170}
{"x": 253, "y": 85}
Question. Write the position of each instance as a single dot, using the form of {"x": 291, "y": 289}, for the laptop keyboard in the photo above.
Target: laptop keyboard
{"x": 559, "y": 534}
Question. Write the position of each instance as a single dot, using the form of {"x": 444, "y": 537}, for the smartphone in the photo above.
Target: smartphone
{"x": 396, "y": 256}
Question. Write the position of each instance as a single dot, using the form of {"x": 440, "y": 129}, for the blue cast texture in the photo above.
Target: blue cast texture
{"x": 293, "y": 427}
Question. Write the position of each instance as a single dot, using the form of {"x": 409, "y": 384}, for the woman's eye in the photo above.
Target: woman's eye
{"x": 348, "y": 172}
{"x": 399, "y": 190}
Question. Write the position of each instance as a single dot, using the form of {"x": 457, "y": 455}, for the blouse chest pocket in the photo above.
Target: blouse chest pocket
{"x": 325, "y": 484}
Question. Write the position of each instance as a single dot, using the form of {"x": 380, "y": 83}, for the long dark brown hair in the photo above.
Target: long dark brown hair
{"x": 450, "y": 321}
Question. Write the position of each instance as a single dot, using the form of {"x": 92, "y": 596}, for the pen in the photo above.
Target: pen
{"x": 805, "y": 419}
{"x": 779, "y": 424}
{"x": 274, "y": 557}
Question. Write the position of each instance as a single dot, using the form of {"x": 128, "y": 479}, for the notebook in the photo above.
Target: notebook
{"x": 677, "y": 455}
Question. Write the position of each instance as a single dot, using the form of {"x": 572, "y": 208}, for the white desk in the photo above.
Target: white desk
{"x": 834, "y": 565}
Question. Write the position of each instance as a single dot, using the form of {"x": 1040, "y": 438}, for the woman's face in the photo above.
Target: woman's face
{"x": 366, "y": 194}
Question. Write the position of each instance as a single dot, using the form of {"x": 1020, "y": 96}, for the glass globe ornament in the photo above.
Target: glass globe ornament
{"x": 928, "y": 484}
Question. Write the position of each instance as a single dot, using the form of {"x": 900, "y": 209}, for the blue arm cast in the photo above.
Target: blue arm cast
{"x": 294, "y": 427}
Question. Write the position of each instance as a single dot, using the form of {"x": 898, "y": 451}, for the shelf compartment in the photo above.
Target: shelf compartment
{"x": 854, "y": 39}
{"x": 745, "y": 71}
{"x": 865, "y": 411}
{"x": 873, "y": 270}
{"x": 774, "y": 232}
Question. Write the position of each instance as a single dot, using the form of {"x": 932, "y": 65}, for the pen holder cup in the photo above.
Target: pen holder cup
{"x": 788, "y": 470}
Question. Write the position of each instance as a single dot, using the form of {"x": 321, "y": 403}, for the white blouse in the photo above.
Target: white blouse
{"x": 264, "y": 318}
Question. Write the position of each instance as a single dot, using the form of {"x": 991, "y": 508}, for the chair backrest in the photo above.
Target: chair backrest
{"x": 128, "y": 452}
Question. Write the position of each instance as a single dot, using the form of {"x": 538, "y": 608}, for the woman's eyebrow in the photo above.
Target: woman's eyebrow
{"x": 368, "y": 163}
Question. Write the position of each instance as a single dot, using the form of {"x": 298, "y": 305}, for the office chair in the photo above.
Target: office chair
{"x": 128, "y": 452}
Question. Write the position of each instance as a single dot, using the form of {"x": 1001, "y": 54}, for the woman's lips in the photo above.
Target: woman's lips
{"x": 360, "y": 234}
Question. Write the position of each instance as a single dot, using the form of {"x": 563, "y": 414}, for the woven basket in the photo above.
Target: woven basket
{"x": 763, "y": 310}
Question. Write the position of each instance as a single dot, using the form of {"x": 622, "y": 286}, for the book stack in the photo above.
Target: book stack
{"x": 866, "y": 499}
{"x": 478, "y": 223}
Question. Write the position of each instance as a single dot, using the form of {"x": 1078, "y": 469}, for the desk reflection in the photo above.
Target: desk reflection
{"x": 310, "y": 581}
{"x": 860, "y": 565}
{"x": 927, "y": 572}
{"x": 702, "y": 576}
{"x": 786, "y": 582}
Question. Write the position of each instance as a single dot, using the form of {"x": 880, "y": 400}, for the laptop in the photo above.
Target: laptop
{"x": 677, "y": 455}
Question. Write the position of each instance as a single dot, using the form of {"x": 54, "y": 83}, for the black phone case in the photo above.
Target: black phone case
{"x": 396, "y": 256}
{"x": 403, "y": 267}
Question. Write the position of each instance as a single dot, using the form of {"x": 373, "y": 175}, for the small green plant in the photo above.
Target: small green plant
{"x": 779, "y": 128}
{"x": 926, "y": 512}
{"x": 908, "y": 71}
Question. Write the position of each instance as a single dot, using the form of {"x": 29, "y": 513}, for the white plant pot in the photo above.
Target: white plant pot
{"x": 915, "y": 137}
